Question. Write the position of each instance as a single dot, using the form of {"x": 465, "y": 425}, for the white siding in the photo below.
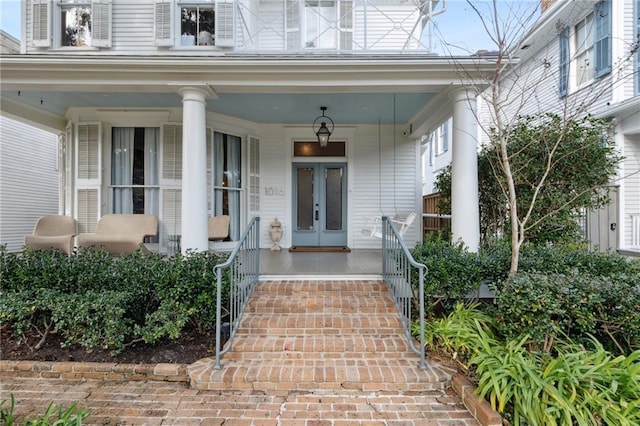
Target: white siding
{"x": 375, "y": 191}
{"x": 28, "y": 180}
{"x": 259, "y": 26}
{"x": 133, "y": 26}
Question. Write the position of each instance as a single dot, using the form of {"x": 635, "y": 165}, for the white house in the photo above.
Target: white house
{"x": 582, "y": 55}
{"x": 23, "y": 146}
{"x": 191, "y": 109}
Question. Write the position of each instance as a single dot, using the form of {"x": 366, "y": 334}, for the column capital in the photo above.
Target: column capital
{"x": 463, "y": 94}
{"x": 197, "y": 93}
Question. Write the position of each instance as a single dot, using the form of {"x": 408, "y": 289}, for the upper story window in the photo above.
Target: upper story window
{"x": 71, "y": 23}
{"x": 197, "y": 24}
{"x": 442, "y": 138}
{"x": 588, "y": 56}
{"x": 319, "y": 24}
{"x": 194, "y": 23}
{"x": 75, "y": 23}
{"x": 583, "y": 48}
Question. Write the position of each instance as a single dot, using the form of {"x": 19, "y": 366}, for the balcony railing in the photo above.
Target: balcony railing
{"x": 330, "y": 26}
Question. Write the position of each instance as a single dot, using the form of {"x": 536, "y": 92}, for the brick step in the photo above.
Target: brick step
{"x": 319, "y": 346}
{"x": 285, "y": 323}
{"x": 290, "y": 375}
{"x": 287, "y": 288}
{"x": 319, "y": 303}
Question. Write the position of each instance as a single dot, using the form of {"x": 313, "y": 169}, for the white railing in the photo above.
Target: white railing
{"x": 303, "y": 26}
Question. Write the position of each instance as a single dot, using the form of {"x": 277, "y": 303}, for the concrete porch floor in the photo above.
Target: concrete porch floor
{"x": 357, "y": 264}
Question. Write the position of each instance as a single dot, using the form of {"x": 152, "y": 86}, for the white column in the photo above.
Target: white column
{"x": 465, "y": 209}
{"x": 194, "y": 170}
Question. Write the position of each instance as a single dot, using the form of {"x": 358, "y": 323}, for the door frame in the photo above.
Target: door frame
{"x": 322, "y": 237}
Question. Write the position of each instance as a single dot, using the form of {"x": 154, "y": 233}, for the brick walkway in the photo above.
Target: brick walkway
{"x": 308, "y": 353}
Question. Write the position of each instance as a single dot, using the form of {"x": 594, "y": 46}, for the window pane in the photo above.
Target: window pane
{"x": 305, "y": 198}
{"x": 75, "y": 23}
{"x": 333, "y": 185}
{"x": 197, "y": 25}
{"x": 227, "y": 180}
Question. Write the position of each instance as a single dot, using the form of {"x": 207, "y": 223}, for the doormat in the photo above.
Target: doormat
{"x": 324, "y": 249}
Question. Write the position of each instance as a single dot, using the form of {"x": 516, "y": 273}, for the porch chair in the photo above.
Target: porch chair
{"x": 402, "y": 221}
{"x": 218, "y": 228}
{"x": 53, "y": 232}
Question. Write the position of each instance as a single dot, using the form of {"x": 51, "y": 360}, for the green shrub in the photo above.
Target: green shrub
{"x": 456, "y": 335}
{"x": 452, "y": 272}
{"x": 576, "y": 386}
{"x": 546, "y": 306}
{"x": 71, "y": 416}
{"x": 94, "y": 300}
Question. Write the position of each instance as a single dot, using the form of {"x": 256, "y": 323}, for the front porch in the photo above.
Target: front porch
{"x": 357, "y": 264}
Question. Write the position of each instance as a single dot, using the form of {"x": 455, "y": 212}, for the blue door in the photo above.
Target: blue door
{"x": 320, "y": 204}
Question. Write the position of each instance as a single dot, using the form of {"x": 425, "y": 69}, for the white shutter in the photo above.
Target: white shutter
{"x": 172, "y": 151}
{"x": 101, "y": 23}
{"x": 210, "y": 172}
{"x": 162, "y": 24}
{"x": 254, "y": 176}
{"x": 171, "y": 214}
{"x": 88, "y": 209}
{"x": 88, "y": 148}
{"x": 88, "y": 176}
{"x": 602, "y": 38}
{"x": 224, "y": 20}
{"x": 292, "y": 24}
{"x": 41, "y": 23}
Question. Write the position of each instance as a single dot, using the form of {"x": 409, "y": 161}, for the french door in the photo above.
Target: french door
{"x": 319, "y": 204}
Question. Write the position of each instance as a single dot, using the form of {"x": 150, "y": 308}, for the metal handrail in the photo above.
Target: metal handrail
{"x": 243, "y": 267}
{"x": 398, "y": 265}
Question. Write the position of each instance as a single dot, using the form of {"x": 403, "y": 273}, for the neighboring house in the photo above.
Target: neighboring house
{"x": 192, "y": 109}
{"x": 28, "y": 172}
{"x": 586, "y": 53}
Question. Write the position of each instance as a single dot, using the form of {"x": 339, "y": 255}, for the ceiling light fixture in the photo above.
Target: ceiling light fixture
{"x": 323, "y": 133}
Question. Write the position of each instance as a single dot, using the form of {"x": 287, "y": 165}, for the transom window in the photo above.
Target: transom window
{"x": 197, "y": 24}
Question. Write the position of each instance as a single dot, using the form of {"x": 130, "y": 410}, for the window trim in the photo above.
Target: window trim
{"x": 167, "y": 23}
{"x": 47, "y": 30}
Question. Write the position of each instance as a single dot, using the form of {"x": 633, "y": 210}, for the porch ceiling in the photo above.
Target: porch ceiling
{"x": 277, "y": 90}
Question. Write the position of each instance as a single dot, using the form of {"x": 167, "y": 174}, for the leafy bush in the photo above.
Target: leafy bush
{"x": 575, "y": 305}
{"x": 94, "y": 300}
{"x": 576, "y": 386}
{"x": 581, "y": 384}
{"x": 61, "y": 417}
{"x": 452, "y": 272}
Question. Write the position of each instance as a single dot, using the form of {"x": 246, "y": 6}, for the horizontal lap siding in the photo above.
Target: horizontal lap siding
{"x": 28, "y": 180}
{"x": 132, "y": 26}
{"x": 273, "y": 171}
{"x": 375, "y": 191}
